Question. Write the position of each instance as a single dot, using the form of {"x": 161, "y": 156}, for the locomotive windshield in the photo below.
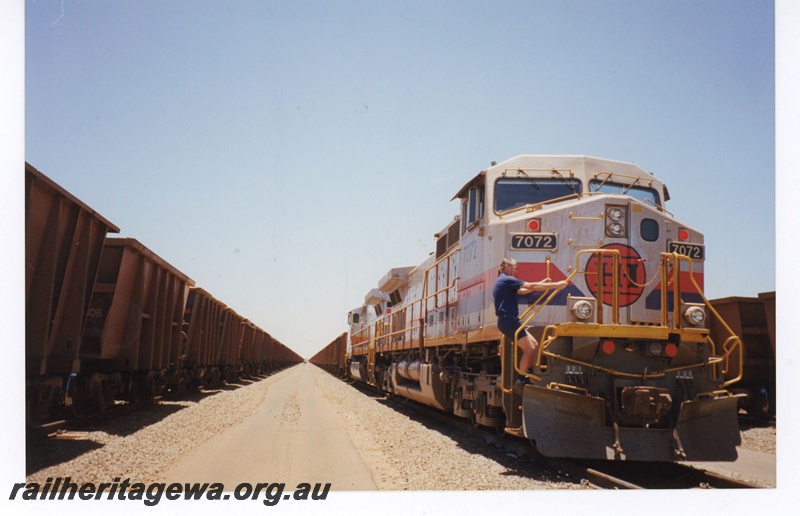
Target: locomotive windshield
{"x": 641, "y": 193}
{"x": 510, "y": 193}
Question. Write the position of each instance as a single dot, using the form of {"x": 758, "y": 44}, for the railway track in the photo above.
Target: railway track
{"x": 635, "y": 475}
{"x": 593, "y": 474}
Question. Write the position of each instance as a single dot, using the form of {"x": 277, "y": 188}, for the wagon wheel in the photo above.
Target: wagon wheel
{"x": 38, "y": 408}
{"x": 80, "y": 408}
{"x": 135, "y": 390}
{"x": 153, "y": 387}
{"x": 183, "y": 383}
{"x": 100, "y": 401}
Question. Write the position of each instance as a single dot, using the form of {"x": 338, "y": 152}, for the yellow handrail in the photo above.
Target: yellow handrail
{"x": 733, "y": 342}
{"x": 422, "y": 304}
{"x": 537, "y": 205}
{"x": 669, "y": 261}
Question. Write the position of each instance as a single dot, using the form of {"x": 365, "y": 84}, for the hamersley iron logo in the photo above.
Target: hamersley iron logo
{"x": 630, "y": 276}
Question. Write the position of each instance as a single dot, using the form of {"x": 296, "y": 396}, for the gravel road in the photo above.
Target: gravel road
{"x": 400, "y": 453}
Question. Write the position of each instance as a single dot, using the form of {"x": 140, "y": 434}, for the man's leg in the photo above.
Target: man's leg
{"x": 528, "y": 345}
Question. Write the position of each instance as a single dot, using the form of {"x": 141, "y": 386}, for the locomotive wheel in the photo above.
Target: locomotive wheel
{"x": 479, "y": 407}
{"x": 474, "y": 420}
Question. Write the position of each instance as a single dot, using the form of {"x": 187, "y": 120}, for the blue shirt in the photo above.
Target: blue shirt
{"x": 505, "y": 290}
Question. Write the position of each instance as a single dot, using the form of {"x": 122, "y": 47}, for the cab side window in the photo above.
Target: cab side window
{"x": 472, "y": 208}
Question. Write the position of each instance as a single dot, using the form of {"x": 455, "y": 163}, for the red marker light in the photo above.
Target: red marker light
{"x": 671, "y": 350}
{"x": 683, "y": 235}
{"x": 534, "y": 225}
{"x": 608, "y": 347}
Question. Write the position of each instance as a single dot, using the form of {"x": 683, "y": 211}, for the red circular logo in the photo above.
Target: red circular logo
{"x": 631, "y": 275}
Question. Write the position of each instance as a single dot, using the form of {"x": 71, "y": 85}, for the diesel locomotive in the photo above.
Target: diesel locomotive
{"x": 625, "y": 369}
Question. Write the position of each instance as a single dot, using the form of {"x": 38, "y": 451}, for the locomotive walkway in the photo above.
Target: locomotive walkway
{"x": 295, "y": 437}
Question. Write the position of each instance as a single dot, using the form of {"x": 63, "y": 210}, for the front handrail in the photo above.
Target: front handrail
{"x": 733, "y": 343}
{"x": 536, "y": 307}
{"x": 669, "y": 272}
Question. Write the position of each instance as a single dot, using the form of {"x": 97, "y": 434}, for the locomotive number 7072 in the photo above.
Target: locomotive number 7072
{"x": 694, "y": 251}
{"x": 534, "y": 241}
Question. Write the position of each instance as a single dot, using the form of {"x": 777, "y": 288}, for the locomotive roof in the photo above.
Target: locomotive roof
{"x": 583, "y": 167}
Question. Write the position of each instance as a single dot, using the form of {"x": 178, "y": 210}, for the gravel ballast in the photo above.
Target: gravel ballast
{"x": 401, "y": 453}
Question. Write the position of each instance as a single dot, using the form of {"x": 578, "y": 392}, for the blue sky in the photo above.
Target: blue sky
{"x": 286, "y": 155}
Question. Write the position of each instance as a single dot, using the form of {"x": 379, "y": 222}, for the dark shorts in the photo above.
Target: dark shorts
{"x": 508, "y": 326}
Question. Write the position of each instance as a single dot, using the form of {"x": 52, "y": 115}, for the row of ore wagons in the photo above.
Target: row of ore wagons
{"x": 107, "y": 319}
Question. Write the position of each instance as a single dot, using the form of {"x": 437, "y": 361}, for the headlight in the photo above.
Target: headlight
{"x": 694, "y": 315}
{"x": 615, "y": 221}
{"x": 582, "y": 310}
{"x": 615, "y": 213}
{"x": 616, "y": 230}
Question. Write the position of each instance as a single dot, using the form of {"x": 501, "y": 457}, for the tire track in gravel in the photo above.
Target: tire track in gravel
{"x": 294, "y": 437}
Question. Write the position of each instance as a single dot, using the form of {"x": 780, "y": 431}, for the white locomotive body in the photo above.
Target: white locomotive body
{"x": 625, "y": 368}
